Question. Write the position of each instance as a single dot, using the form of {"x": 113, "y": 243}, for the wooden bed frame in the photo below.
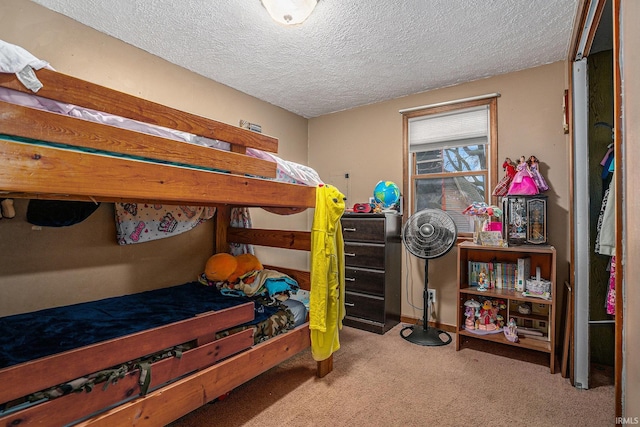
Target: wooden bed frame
{"x": 214, "y": 367}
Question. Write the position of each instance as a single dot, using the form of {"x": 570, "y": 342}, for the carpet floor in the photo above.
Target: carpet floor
{"x": 384, "y": 380}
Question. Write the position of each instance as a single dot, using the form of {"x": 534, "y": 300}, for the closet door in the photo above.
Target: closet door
{"x": 581, "y": 222}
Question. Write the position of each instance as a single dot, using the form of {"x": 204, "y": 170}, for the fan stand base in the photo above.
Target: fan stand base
{"x": 428, "y": 336}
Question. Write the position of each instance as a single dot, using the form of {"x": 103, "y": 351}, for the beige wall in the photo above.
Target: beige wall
{"x": 60, "y": 266}
{"x": 366, "y": 143}
{"x": 57, "y": 266}
{"x": 630, "y": 46}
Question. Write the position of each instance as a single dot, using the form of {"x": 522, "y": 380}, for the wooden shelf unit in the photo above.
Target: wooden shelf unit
{"x": 543, "y": 257}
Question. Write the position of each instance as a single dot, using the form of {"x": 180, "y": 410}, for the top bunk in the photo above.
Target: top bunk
{"x": 76, "y": 140}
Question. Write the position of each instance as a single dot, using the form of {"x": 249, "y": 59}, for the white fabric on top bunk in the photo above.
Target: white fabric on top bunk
{"x": 18, "y": 61}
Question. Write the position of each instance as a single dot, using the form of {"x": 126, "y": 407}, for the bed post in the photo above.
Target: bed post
{"x": 324, "y": 367}
{"x": 223, "y": 218}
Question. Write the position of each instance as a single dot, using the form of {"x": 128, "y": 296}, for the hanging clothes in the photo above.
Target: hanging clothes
{"x": 611, "y": 294}
{"x": 605, "y": 228}
{"x": 607, "y": 168}
{"x": 606, "y": 238}
{"x": 326, "y": 301}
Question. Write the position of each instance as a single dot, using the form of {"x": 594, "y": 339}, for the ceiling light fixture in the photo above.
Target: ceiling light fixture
{"x": 289, "y": 12}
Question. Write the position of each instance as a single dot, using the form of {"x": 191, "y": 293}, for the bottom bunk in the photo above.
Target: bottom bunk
{"x": 113, "y": 361}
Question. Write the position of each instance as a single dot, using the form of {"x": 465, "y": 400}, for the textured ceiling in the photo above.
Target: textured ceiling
{"x": 348, "y": 53}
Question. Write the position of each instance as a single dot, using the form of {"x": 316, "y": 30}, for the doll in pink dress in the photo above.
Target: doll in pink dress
{"x": 523, "y": 183}
{"x": 534, "y": 168}
{"x": 502, "y": 187}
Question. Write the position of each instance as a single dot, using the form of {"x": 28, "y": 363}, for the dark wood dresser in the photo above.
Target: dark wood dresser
{"x": 372, "y": 248}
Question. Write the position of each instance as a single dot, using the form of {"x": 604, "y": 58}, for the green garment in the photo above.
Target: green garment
{"x": 326, "y": 301}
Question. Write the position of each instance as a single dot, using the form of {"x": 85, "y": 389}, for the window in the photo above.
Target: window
{"x": 450, "y": 151}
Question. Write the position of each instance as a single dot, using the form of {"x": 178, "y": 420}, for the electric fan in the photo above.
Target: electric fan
{"x": 428, "y": 234}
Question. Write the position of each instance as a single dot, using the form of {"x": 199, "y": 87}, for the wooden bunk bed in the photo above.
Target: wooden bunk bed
{"x": 154, "y": 170}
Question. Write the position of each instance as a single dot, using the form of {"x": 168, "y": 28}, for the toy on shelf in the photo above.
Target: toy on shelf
{"x": 487, "y": 318}
{"x": 534, "y": 168}
{"x": 483, "y": 226}
{"x": 511, "y": 331}
{"x": 502, "y": 187}
{"x": 482, "y": 280}
{"x": 523, "y": 183}
{"x": 528, "y": 180}
{"x": 472, "y": 308}
{"x": 524, "y": 308}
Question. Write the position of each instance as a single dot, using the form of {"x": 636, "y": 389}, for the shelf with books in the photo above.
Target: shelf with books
{"x": 481, "y": 278}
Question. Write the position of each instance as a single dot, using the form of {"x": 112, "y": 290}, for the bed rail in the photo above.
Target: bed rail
{"x": 39, "y": 374}
{"x": 64, "y": 174}
{"x": 72, "y": 90}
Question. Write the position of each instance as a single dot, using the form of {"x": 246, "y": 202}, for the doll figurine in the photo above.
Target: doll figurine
{"x": 523, "y": 183}
{"x": 511, "y": 331}
{"x": 534, "y": 168}
{"x": 470, "y": 315}
{"x": 502, "y": 187}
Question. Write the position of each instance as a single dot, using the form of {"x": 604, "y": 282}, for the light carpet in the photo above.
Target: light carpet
{"x": 384, "y": 380}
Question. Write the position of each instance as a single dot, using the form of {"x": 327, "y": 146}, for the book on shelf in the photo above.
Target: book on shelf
{"x": 499, "y": 275}
{"x": 524, "y": 271}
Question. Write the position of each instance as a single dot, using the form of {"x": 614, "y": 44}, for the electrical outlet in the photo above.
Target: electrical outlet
{"x": 432, "y": 295}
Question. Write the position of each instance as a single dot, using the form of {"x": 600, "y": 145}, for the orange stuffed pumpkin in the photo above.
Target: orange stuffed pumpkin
{"x": 245, "y": 264}
{"x": 220, "y": 266}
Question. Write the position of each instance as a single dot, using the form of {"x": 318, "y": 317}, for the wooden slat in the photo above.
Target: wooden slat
{"x": 75, "y": 91}
{"x": 40, "y": 125}
{"x": 34, "y": 169}
{"x": 302, "y": 277}
{"x": 300, "y": 240}
{"x": 75, "y": 406}
{"x": 45, "y": 372}
{"x": 175, "y": 400}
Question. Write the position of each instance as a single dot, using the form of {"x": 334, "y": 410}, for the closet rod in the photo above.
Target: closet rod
{"x": 602, "y": 322}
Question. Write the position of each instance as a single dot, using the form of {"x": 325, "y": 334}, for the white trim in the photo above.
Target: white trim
{"x": 457, "y": 101}
{"x": 581, "y": 224}
{"x": 582, "y": 44}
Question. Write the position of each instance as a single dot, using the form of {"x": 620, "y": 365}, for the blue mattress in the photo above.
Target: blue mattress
{"x": 28, "y": 336}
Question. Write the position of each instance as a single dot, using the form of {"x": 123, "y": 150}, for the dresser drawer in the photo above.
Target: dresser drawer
{"x": 364, "y": 280}
{"x": 364, "y": 255}
{"x": 363, "y": 229}
{"x": 365, "y": 307}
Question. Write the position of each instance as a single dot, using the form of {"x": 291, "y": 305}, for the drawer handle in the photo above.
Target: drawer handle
{"x": 350, "y": 279}
{"x": 349, "y": 304}
{"x": 348, "y": 229}
{"x": 349, "y": 254}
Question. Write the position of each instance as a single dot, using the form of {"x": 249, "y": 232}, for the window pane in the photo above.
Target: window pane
{"x": 450, "y": 160}
{"x": 466, "y": 158}
{"x": 429, "y": 162}
{"x": 453, "y": 195}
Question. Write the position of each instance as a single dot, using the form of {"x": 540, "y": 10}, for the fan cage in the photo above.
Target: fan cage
{"x": 429, "y": 233}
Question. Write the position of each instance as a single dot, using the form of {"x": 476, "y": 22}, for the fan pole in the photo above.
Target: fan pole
{"x": 426, "y": 336}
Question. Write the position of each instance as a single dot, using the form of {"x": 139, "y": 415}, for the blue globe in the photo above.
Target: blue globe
{"x": 387, "y": 193}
